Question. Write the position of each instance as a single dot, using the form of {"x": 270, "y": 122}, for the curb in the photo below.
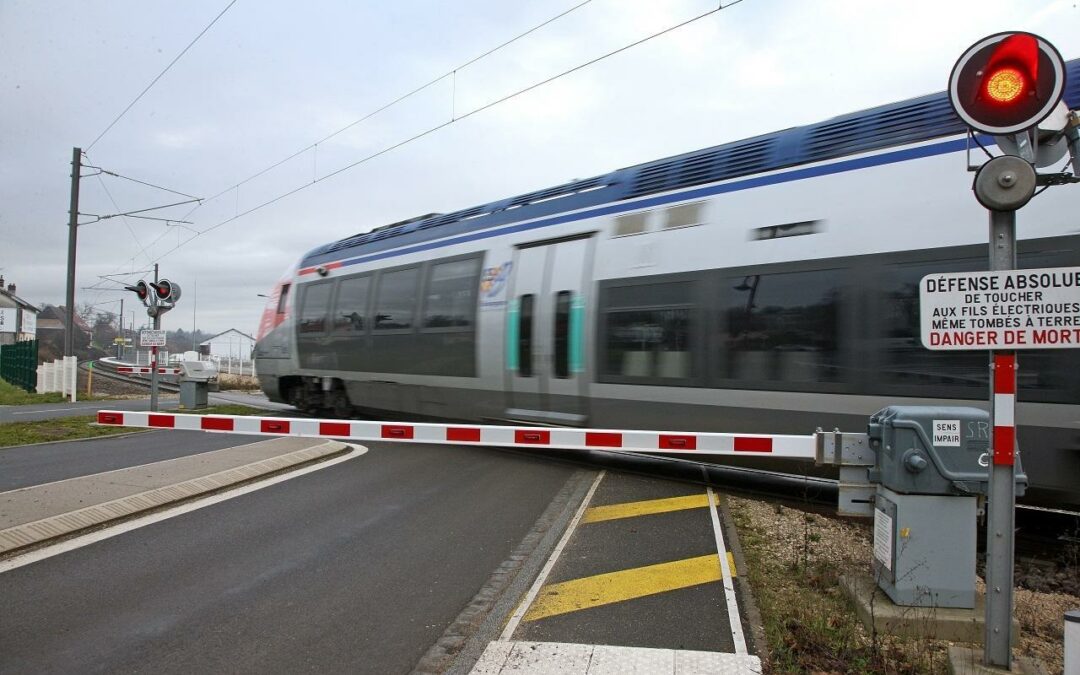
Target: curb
{"x": 39, "y": 532}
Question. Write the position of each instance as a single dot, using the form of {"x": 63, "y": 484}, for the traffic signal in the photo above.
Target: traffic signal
{"x": 166, "y": 292}
{"x": 141, "y": 289}
{"x": 1007, "y": 83}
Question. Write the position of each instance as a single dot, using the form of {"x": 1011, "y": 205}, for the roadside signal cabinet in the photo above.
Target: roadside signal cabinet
{"x": 934, "y": 450}
{"x": 932, "y": 462}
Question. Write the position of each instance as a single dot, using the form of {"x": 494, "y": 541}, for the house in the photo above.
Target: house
{"x": 18, "y": 318}
{"x": 231, "y": 345}
{"x": 51, "y": 324}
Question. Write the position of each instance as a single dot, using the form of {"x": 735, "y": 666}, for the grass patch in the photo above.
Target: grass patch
{"x": 83, "y": 427}
{"x": 12, "y": 395}
{"x": 58, "y": 429}
{"x": 794, "y": 563}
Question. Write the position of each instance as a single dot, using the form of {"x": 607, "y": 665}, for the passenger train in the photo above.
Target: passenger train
{"x": 769, "y": 285}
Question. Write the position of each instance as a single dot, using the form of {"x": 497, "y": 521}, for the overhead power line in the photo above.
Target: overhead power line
{"x": 391, "y": 104}
{"x": 160, "y": 75}
{"x": 437, "y": 127}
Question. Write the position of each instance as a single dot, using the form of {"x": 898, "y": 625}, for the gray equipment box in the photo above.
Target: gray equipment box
{"x": 935, "y": 450}
{"x": 195, "y": 384}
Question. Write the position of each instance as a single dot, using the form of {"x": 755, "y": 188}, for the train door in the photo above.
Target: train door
{"x": 546, "y": 334}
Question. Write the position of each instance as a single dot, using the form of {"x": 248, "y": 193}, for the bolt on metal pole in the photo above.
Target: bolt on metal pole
{"x": 73, "y": 224}
{"x": 1001, "y": 523}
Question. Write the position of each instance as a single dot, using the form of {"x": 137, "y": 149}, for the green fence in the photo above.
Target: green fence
{"x": 18, "y": 364}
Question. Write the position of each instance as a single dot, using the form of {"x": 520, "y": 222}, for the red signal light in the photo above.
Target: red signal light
{"x": 166, "y": 291}
{"x": 1007, "y": 83}
{"x": 141, "y": 289}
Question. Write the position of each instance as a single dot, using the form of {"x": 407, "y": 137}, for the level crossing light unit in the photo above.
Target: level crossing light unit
{"x": 158, "y": 297}
{"x": 1007, "y": 83}
{"x": 1010, "y": 86}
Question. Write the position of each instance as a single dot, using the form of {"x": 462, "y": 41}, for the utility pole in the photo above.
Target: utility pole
{"x": 73, "y": 225}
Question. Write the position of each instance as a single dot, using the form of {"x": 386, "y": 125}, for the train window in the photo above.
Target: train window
{"x": 630, "y": 223}
{"x": 351, "y": 308}
{"x": 798, "y": 229}
{"x": 450, "y": 300}
{"x": 524, "y": 336}
{"x": 283, "y": 299}
{"x": 904, "y": 360}
{"x": 685, "y": 215}
{"x": 783, "y": 327}
{"x": 562, "y": 334}
{"x": 314, "y": 307}
{"x": 648, "y": 329}
{"x": 396, "y": 302}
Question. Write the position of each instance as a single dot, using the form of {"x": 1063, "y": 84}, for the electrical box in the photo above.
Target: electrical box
{"x": 935, "y": 450}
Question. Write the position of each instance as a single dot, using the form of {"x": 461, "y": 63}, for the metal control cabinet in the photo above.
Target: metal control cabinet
{"x": 932, "y": 463}
{"x": 195, "y": 384}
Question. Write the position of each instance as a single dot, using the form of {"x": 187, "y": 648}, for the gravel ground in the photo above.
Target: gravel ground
{"x": 799, "y": 537}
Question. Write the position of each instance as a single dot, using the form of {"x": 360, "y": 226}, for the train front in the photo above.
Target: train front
{"x": 273, "y": 346}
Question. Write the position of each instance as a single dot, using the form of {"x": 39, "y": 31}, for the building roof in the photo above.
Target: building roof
{"x": 19, "y": 302}
{"x": 59, "y": 314}
{"x": 231, "y": 330}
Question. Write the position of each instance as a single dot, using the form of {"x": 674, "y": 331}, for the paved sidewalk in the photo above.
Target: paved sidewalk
{"x": 36, "y": 514}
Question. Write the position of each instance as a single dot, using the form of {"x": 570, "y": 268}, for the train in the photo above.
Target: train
{"x": 767, "y": 285}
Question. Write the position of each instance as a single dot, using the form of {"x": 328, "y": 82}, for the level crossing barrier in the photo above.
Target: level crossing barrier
{"x": 652, "y": 442}
{"x": 145, "y": 370}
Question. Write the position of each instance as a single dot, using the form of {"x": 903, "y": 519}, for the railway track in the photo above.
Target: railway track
{"x": 107, "y": 370}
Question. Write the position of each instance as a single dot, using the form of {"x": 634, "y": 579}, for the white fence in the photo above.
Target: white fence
{"x": 59, "y": 375}
{"x": 225, "y": 364}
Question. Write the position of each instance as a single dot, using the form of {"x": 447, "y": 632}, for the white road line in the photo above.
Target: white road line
{"x": 172, "y": 512}
{"x": 527, "y": 602}
{"x": 729, "y": 586}
{"x": 50, "y": 410}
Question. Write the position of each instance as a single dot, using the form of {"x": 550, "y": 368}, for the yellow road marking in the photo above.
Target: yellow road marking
{"x": 631, "y": 509}
{"x": 606, "y": 589}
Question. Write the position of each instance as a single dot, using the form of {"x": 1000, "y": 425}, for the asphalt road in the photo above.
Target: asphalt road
{"x": 358, "y": 567}
{"x": 26, "y": 465}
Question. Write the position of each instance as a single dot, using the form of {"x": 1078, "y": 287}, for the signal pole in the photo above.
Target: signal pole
{"x": 1002, "y": 185}
{"x": 153, "y": 353}
{"x": 1005, "y": 86}
{"x": 73, "y": 225}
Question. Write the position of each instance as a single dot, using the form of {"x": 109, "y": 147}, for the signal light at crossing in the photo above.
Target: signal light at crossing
{"x": 166, "y": 291}
{"x": 141, "y": 289}
{"x": 1007, "y": 83}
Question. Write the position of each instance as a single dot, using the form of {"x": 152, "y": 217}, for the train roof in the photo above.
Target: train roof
{"x": 910, "y": 121}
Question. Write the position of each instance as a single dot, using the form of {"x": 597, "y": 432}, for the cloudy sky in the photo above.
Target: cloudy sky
{"x": 271, "y": 79}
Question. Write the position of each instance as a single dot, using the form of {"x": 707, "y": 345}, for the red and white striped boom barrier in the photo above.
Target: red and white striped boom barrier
{"x": 146, "y": 370}
{"x": 653, "y": 442}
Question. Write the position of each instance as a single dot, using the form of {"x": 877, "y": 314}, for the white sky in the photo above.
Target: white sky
{"x": 271, "y": 78}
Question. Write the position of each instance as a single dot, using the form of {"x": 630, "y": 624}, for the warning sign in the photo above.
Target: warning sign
{"x": 152, "y": 338}
{"x": 1017, "y": 309}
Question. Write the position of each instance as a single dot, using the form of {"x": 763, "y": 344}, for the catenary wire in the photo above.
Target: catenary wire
{"x": 160, "y": 75}
{"x": 391, "y": 104}
{"x": 438, "y": 127}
